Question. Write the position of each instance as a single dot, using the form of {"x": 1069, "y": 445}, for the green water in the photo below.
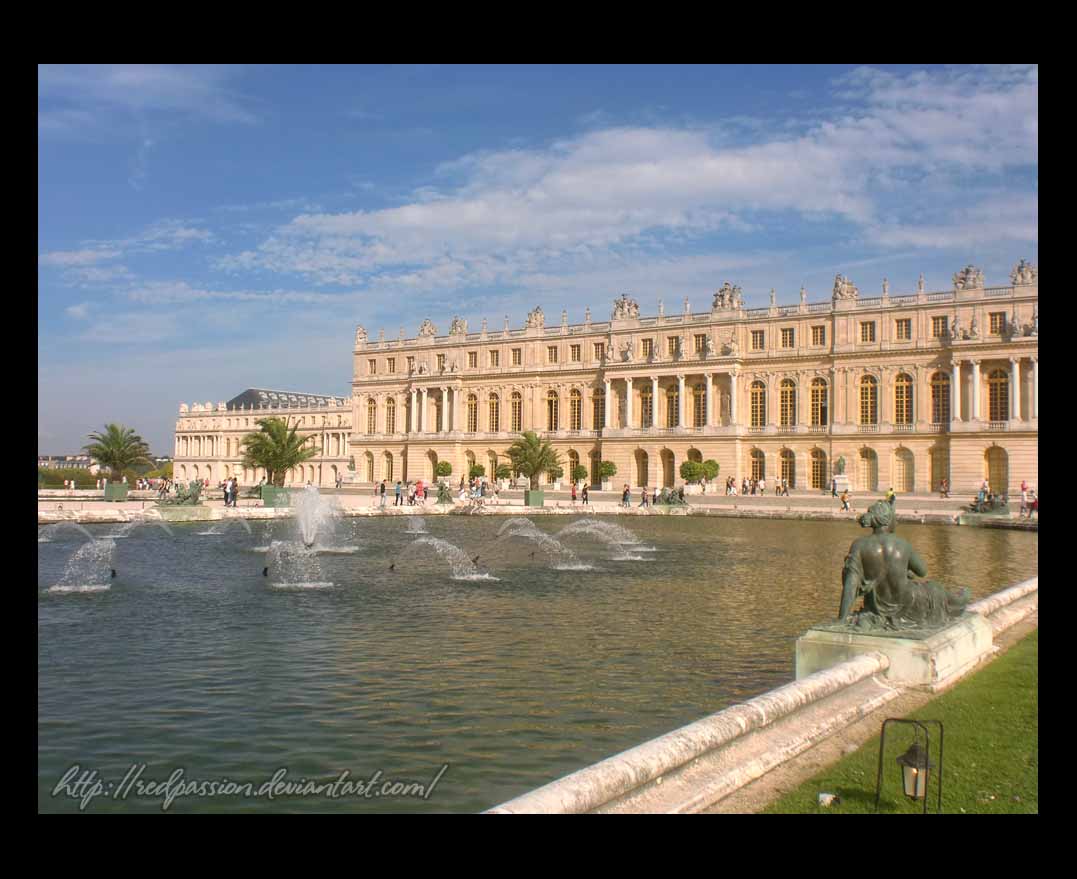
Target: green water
{"x": 192, "y": 660}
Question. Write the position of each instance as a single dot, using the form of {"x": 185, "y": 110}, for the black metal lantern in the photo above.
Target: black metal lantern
{"x": 915, "y": 763}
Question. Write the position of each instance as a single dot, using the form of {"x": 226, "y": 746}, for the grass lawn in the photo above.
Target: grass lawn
{"x": 991, "y": 757}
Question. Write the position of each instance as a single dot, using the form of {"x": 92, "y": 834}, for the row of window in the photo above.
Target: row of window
{"x": 998, "y": 386}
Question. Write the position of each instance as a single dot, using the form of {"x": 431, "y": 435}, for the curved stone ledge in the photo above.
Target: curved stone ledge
{"x": 590, "y": 788}
{"x": 994, "y": 603}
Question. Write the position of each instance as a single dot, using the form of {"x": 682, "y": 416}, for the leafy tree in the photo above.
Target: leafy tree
{"x": 555, "y": 472}
{"x": 531, "y": 455}
{"x": 164, "y": 472}
{"x": 119, "y": 448}
{"x": 444, "y": 468}
{"x": 691, "y": 471}
{"x": 579, "y": 472}
{"x": 710, "y": 469}
{"x": 607, "y": 470}
{"x": 277, "y": 448}
{"x": 504, "y": 471}
{"x": 48, "y": 477}
{"x": 475, "y": 471}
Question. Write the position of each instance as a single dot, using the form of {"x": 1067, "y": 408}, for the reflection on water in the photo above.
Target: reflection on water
{"x": 196, "y": 660}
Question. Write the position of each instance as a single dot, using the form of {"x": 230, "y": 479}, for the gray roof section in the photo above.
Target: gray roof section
{"x": 264, "y": 397}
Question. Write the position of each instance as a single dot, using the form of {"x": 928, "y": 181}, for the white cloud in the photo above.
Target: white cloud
{"x": 71, "y": 258}
{"x": 80, "y": 311}
{"x": 503, "y": 215}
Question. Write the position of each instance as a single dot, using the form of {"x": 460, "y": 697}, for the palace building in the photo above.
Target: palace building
{"x": 905, "y": 390}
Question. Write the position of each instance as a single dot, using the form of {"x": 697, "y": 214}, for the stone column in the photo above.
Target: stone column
{"x": 733, "y": 398}
{"x": 444, "y": 410}
{"x": 609, "y": 395}
{"x": 457, "y": 414}
{"x": 628, "y": 402}
{"x": 1015, "y": 389}
{"x": 414, "y": 409}
{"x": 424, "y": 415}
{"x": 955, "y": 391}
{"x": 709, "y": 419}
{"x": 1035, "y": 387}
{"x": 975, "y": 390}
{"x": 680, "y": 401}
{"x": 655, "y": 421}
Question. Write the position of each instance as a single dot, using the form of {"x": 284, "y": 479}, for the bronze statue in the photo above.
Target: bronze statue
{"x": 883, "y": 568}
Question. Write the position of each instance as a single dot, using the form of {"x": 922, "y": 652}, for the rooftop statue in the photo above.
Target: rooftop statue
{"x": 625, "y": 308}
{"x": 427, "y": 328}
{"x": 920, "y": 284}
{"x": 727, "y": 297}
{"x": 969, "y": 278}
{"x": 844, "y": 288}
{"x": 459, "y": 327}
{"x": 536, "y": 318}
{"x": 360, "y": 335}
{"x": 1024, "y": 273}
{"x": 884, "y": 569}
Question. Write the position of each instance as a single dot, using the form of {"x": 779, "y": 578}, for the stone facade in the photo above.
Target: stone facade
{"x": 906, "y": 388}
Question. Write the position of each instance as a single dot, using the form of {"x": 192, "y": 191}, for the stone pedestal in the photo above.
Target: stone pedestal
{"x": 927, "y": 660}
{"x": 841, "y": 481}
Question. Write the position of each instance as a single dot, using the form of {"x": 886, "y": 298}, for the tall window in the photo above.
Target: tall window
{"x": 789, "y": 467}
{"x": 575, "y": 410}
{"x": 573, "y": 463}
{"x": 495, "y": 359}
{"x": 598, "y": 408}
{"x": 819, "y": 407}
{"x": 390, "y": 364}
{"x": 672, "y": 407}
{"x": 551, "y": 354}
{"x": 390, "y": 415}
{"x": 517, "y": 414}
{"x": 552, "y": 411}
{"x": 671, "y": 346}
{"x": 997, "y": 323}
{"x": 818, "y": 468}
{"x": 818, "y": 335}
{"x": 441, "y": 363}
{"x": 788, "y": 402}
{"x": 699, "y": 406}
{"x": 495, "y": 414}
{"x": 869, "y": 400}
{"x": 759, "y": 404}
{"x": 940, "y": 398}
{"x": 758, "y": 340}
{"x": 472, "y": 413}
{"x": 646, "y": 407}
{"x": 939, "y": 327}
{"x": 411, "y": 364}
{"x": 648, "y": 348}
{"x": 574, "y": 353}
{"x": 903, "y": 326}
{"x": 998, "y": 395}
{"x": 371, "y": 415}
{"x": 759, "y": 464}
{"x": 903, "y": 399}
{"x": 598, "y": 350}
{"x": 788, "y": 337}
{"x": 517, "y": 356}
{"x": 472, "y": 359}
{"x": 372, "y": 366}
{"x": 701, "y": 343}
{"x": 867, "y": 331}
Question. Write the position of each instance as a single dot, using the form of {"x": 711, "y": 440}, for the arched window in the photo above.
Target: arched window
{"x": 598, "y": 408}
{"x": 789, "y": 467}
{"x": 575, "y": 411}
{"x": 672, "y": 406}
{"x": 495, "y": 415}
{"x": 759, "y": 405}
{"x": 390, "y": 415}
{"x": 369, "y": 468}
{"x": 940, "y": 400}
{"x": 552, "y": 411}
{"x": 820, "y": 415}
{"x": 818, "y": 468}
{"x": 646, "y": 407}
{"x": 389, "y": 466}
{"x": 998, "y": 395}
{"x": 788, "y": 402}
{"x": 903, "y": 399}
{"x": 371, "y": 415}
{"x": 699, "y": 406}
{"x": 869, "y": 400}
{"x": 573, "y": 463}
{"x": 472, "y": 413}
{"x": 759, "y": 464}
{"x": 517, "y": 404}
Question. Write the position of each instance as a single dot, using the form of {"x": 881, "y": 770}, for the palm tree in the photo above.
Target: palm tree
{"x": 531, "y": 455}
{"x": 119, "y": 448}
{"x": 276, "y": 448}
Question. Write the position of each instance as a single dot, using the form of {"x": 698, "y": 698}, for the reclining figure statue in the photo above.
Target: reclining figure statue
{"x": 184, "y": 497}
{"x": 883, "y": 568}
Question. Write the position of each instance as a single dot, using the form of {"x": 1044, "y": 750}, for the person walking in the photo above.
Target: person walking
{"x": 1034, "y": 504}
{"x": 383, "y": 492}
{"x": 891, "y": 497}
{"x": 573, "y": 493}
{"x": 397, "y": 502}
{"x": 944, "y": 488}
{"x": 624, "y": 497}
{"x": 644, "y": 497}
{"x": 845, "y": 501}
{"x": 762, "y": 486}
{"x": 584, "y": 496}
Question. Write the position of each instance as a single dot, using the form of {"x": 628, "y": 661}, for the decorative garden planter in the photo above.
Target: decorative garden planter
{"x": 534, "y": 498}
{"x": 116, "y": 491}
{"x": 607, "y": 485}
{"x": 276, "y": 497}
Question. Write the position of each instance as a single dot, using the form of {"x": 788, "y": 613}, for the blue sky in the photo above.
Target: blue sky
{"x": 207, "y": 229}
